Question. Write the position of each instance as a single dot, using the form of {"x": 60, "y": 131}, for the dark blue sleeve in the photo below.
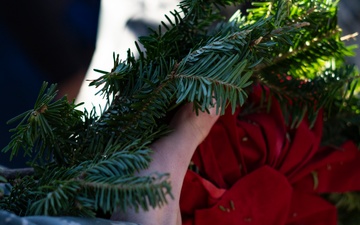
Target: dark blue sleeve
{"x": 7, "y": 218}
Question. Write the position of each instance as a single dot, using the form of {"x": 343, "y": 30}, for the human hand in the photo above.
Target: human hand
{"x": 172, "y": 154}
{"x": 196, "y": 127}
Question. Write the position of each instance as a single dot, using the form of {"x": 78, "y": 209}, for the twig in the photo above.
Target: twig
{"x": 349, "y": 36}
{"x": 289, "y": 54}
{"x": 11, "y": 174}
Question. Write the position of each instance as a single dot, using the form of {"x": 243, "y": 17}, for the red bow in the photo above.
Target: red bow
{"x": 256, "y": 170}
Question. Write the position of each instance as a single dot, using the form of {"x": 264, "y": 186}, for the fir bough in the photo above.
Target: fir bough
{"x": 86, "y": 163}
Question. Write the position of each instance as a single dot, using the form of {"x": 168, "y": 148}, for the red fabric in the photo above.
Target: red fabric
{"x": 240, "y": 204}
{"x": 270, "y": 173}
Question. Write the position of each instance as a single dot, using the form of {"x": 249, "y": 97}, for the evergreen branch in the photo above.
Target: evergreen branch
{"x": 21, "y": 195}
{"x": 121, "y": 163}
{"x": 144, "y": 111}
{"x": 208, "y": 79}
{"x": 286, "y": 55}
{"x": 44, "y": 126}
{"x": 190, "y": 27}
{"x": 105, "y": 193}
{"x": 344, "y": 115}
{"x": 114, "y": 81}
{"x": 55, "y": 198}
{"x": 283, "y": 46}
{"x": 127, "y": 192}
{"x": 300, "y": 50}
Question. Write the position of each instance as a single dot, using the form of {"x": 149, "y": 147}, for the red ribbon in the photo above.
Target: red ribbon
{"x": 256, "y": 170}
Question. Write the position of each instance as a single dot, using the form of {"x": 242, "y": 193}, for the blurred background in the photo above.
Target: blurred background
{"x": 63, "y": 41}
{"x": 42, "y": 41}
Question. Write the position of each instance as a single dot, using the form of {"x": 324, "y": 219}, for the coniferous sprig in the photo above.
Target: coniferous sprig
{"x": 97, "y": 192}
{"x": 310, "y": 67}
{"x": 188, "y": 27}
{"x": 291, "y": 47}
{"x": 224, "y": 61}
{"x": 44, "y": 126}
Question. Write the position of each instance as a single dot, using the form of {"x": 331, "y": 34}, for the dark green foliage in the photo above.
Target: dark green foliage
{"x": 290, "y": 47}
{"x": 348, "y": 205}
{"x": 48, "y": 123}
